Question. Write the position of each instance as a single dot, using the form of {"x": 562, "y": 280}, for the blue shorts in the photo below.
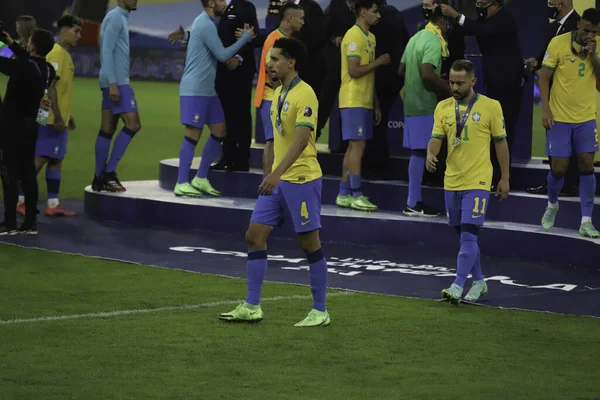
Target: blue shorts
{"x": 127, "y": 102}
{"x": 299, "y": 202}
{"x": 197, "y": 111}
{"x": 265, "y": 115}
{"x": 417, "y": 131}
{"x": 466, "y": 206}
{"x": 51, "y": 143}
{"x": 564, "y": 138}
{"x": 357, "y": 123}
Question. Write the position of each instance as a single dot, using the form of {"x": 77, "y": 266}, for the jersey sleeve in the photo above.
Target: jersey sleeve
{"x": 432, "y": 51}
{"x": 497, "y": 124}
{"x": 57, "y": 60}
{"x": 439, "y": 128}
{"x": 353, "y": 45}
{"x": 306, "y": 111}
{"x": 551, "y": 58}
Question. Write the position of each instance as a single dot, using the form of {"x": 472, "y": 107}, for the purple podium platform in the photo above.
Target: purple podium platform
{"x": 520, "y": 207}
{"x": 147, "y": 205}
{"x": 524, "y": 174}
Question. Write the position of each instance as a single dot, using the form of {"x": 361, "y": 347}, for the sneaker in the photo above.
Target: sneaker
{"x": 549, "y": 217}
{"x": 203, "y": 185}
{"x": 58, "y": 211}
{"x": 315, "y": 318}
{"x": 420, "y": 210}
{"x": 98, "y": 184}
{"x": 28, "y": 228}
{"x": 588, "y": 230}
{"x": 186, "y": 190}
{"x": 7, "y": 229}
{"x": 111, "y": 183}
{"x": 453, "y": 294}
{"x": 243, "y": 313}
{"x": 344, "y": 200}
{"x": 478, "y": 290}
{"x": 21, "y": 209}
{"x": 362, "y": 203}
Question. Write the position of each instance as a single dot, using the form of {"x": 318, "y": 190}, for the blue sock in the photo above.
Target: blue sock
{"x": 355, "y": 184}
{"x": 121, "y": 142}
{"x": 416, "y": 167}
{"x": 211, "y": 152}
{"x": 587, "y": 190}
{"x": 345, "y": 188}
{"x": 53, "y": 183}
{"x": 186, "y": 155}
{"x": 467, "y": 257}
{"x": 554, "y": 187}
{"x": 318, "y": 278}
{"x": 102, "y": 149}
{"x": 256, "y": 270}
{"x": 476, "y": 271}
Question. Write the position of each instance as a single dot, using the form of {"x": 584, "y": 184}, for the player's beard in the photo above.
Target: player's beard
{"x": 461, "y": 95}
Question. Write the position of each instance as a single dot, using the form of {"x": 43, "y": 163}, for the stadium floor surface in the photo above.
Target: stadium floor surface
{"x": 408, "y": 271}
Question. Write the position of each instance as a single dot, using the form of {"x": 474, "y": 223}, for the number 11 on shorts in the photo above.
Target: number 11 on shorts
{"x": 483, "y": 204}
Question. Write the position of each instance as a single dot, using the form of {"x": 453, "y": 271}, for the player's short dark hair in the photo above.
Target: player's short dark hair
{"x": 205, "y": 3}
{"x": 69, "y": 21}
{"x": 591, "y": 15}
{"x": 43, "y": 41}
{"x": 292, "y": 48}
{"x": 290, "y": 5}
{"x": 437, "y": 11}
{"x": 463, "y": 65}
{"x": 365, "y": 5}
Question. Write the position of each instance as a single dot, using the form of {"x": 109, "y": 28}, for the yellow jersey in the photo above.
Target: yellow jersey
{"x": 357, "y": 93}
{"x": 573, "y": 92}
{"x": 299, "y": 108}
{"x": 62, "y": 62}
{"x": 468, "y": 166}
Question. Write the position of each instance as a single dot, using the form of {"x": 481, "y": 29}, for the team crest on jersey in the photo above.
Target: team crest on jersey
{"x": 307, "y": 111}
{"x": 476, "y": 117}
{"x": 286, "y": 106}
{"x": 196, "y": 117}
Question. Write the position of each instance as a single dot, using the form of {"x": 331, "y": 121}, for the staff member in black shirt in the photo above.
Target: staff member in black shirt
{"x": 30, "y": 78}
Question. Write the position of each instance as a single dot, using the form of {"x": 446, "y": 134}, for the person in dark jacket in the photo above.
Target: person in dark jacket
{"x": 314, "y": 38}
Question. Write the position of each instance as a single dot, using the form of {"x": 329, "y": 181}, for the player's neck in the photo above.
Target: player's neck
{"x": 467, "y": 99}
{"x": 64, "y": 45}
{"x": 286, "y": 30}
{"x": 286, "y": 81}
{"x": 363, "y": 24}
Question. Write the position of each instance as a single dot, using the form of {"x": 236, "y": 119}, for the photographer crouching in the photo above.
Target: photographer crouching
{"x": 26, "y": 106}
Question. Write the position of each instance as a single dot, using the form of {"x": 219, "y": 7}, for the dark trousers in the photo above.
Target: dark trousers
{"x": 235, "y": 93}
{"x": 331, "y": 84}
{"x": 17, "y": 164}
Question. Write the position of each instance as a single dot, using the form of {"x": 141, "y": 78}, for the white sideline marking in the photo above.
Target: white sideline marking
{"x": 149, "y": 310}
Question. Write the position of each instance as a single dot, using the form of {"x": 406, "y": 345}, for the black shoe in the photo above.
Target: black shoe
{"x": 7, "y": 229}
{"x": 221, "y": 165}
{"x": 111, "y": 183}
{"x": 28, "y": 228}
{"x": 98, "y": 184}
{"x": 420, "y": 210}
{"x": 542, "y": 189}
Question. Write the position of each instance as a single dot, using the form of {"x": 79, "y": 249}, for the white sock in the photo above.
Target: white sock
{"x": 555, "y": 205}
{"x": 21, "y": 200}
{"x": 52, "y": 203}
{"x": 585, "y": 219}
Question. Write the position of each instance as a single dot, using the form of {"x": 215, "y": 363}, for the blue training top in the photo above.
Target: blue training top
{"x": 114, "y": 48}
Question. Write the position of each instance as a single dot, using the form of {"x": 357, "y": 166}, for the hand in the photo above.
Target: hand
{"x": 59, "y": 125}
{"x": 72, "y": 124}
{"x": 448, "y": 11}
{"x": 431, "y": 163}
{"x": 377, "y": 115}
{"x": 177, "y": 35}
{"x": 113, "y": 93}
{"x": 503, "y": 189}
{"x": 5, "y": 37}
{"x": 531, "y": 64}
{"x": 338, "y": 41}
{"x": 384, "y": 59}
{"x": 591, "y": 46}
{"x": 547, "y": 119}
{"x": 232, "y": 63}
{"x": 238, "y": 33}
{"x": 250, "y": 30}
{"x": 268, "y": 185}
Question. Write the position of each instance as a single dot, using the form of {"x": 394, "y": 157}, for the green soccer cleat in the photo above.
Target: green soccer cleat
{"x": 453, "y": 294}
{"x": 186, "y": 190}
{"x": 243, "y": 313}
{"x": 203, "y": 185}
{"x": 549, "y": 217}
{"x": 315, "y": 318}
{"x": 344, "y": 200}
{"x": 362, "y": 203}
{"x": 478, "y": 290}
{"x": 587, "y": 230}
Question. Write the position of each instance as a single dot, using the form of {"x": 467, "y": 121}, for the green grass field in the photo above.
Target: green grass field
{"x": 377, "y": 347}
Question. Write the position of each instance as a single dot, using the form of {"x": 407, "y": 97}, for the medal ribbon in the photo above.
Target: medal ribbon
{"x": 460, "y": 123}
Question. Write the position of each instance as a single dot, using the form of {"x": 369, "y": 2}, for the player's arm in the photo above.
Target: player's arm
{"x": 545, "y": 77}
{"x": 355, "y": 70}
{"x": 209, "y": 35}
{"x": 438, "y": 135}
{"x": 591, "y": 46}
{"x": 432, "y": 59}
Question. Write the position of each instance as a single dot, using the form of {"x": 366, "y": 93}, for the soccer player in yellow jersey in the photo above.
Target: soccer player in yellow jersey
{"x": 292, "y": 191}
{"x": 292, "y": 20}
{"x": 52, "y": 140}
{"x": 569, "y": 114}
{"x": 468, "y": 122}
{"x": 358, "y": 100}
